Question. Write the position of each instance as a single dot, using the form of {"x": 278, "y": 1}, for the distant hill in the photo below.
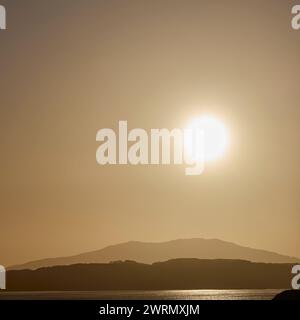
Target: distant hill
{"x": 145, "y": 252}
{"x": 179, "y": 274}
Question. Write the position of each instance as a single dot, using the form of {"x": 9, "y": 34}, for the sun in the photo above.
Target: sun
{"x": 214, "y": 138}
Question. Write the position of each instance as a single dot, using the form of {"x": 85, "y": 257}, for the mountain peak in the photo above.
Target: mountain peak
{"x": 150, "y": 252}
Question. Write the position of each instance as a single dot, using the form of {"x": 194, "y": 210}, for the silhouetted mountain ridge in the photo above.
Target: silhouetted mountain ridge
{"x": 147, "y": 252}
{"x": 177, "y": 274}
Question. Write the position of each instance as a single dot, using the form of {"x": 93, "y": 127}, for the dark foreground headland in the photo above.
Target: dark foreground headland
{"x": 178, "y": 274}
{"x": 293, "y": 295}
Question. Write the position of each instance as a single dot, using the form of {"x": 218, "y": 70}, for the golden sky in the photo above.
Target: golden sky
{"x": 69, "y": 68}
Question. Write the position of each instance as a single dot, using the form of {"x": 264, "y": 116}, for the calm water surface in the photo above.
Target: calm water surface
{"x": 147, "y": 295}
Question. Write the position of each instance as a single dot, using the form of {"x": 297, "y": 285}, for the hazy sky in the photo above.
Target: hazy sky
{"x": 71, "y": 67}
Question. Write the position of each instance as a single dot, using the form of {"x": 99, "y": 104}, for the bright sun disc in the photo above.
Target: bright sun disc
{"x": 215, "y": 138}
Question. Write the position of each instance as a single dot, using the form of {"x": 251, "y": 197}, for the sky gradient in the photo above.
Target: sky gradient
{"x": 69, "y": 68}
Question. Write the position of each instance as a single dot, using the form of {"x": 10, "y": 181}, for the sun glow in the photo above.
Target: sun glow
{"x": 215, "y": 138}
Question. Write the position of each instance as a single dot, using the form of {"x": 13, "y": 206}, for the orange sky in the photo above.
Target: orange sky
{"x": 69, "y": 68}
